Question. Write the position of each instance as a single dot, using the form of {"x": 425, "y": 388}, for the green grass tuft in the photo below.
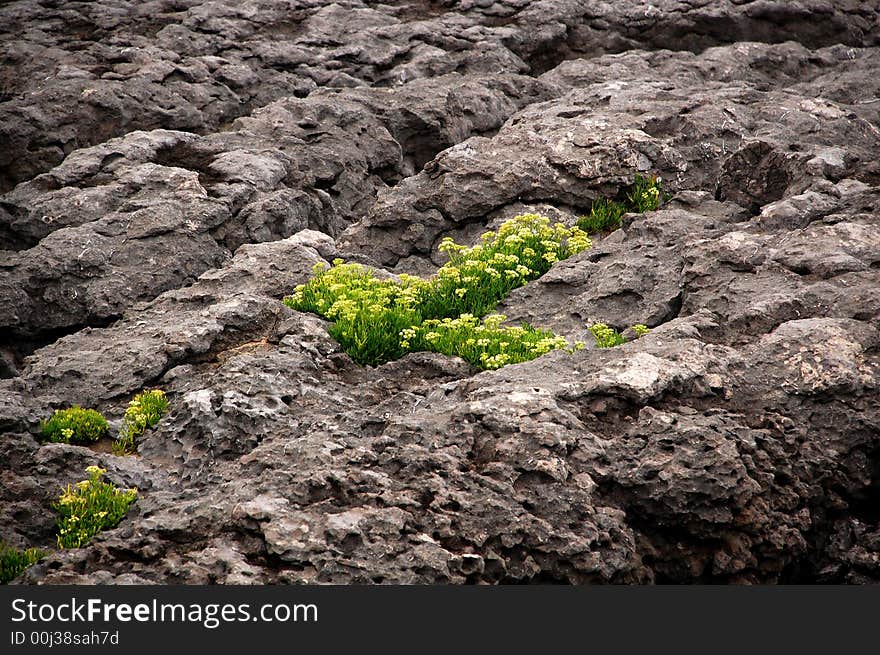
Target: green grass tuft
{"x": 604, "y": 216}
{"x": 646, "y": 194}
{"x": 13, "y": 561}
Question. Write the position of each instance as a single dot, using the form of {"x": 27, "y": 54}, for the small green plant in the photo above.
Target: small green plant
{"x": 75, "y": 425}
{"x": 13, "y": 561}
{"x": 144, "y": 411}
{"x": 367, "y": 313}
{"x": 372, "y": 317}
{"x": 604, "y": 216}
{"x": 646, "y": 194}
{"x": 89, "y": 507}
{"x": 606, "y": 336}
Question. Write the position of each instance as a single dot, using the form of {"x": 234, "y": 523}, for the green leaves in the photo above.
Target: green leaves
{"x": 475, "y": 279}
{"x": 75, "y": 425}
{"x": 89, "y": 507}
{"x": 144, "y": 411}
{"x": 368, "y": 313}
{"x": 13, "y": 561}
{"x": 645, "y": 195}
{"x": 378, "y": 320}
{"x": 608, "y": 337}
{"x": 640, "y": 330}
{"x": 84, "y": 510}
{"x": 485, "y": 344}
{"x": 604, "y": 216}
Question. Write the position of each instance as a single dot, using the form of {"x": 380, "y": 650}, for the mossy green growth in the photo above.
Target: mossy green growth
{"x": 144, "y": 411}
{"x": 75, "y": 425}
{"x": 646, "y": 194}
{"x": 13, "y": 561}
{"x": 371, "y": 316}
{"x": 89, "y": 507}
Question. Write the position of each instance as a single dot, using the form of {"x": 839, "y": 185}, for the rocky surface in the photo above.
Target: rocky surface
{"x": 170, "y": 169}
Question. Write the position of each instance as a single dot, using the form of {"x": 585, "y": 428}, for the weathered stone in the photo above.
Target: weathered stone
{"x": 170, "y": 170}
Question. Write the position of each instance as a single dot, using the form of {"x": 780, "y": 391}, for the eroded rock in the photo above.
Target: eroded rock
{"x": 172, "y": 170}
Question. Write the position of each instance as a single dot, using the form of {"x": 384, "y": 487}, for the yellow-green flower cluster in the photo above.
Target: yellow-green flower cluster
{"x": 378, "y": 320}
{"x": 475, "y": 279}
{"x": 144, "y": 411}
{"x": 367, "y": 313}
{"x": 608, "y": 337}
{"x": 75, "y": 425}
{"x": 646, "y": 194}
{"x": 486, "y": 344}
{"x": 89, "y": 507}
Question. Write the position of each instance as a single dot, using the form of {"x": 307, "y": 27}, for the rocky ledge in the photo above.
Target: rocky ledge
{"x": 170, "y": 169}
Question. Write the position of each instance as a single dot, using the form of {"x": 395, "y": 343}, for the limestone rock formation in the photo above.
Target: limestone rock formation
{"x": 169, "y": 170}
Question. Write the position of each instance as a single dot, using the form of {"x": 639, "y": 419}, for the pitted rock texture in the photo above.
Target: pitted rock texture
{"x": 169, "y": 170}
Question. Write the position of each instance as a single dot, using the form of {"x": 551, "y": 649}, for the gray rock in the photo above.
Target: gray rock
{"x": 626, "y": 115}
{"x": 171, "y": 170}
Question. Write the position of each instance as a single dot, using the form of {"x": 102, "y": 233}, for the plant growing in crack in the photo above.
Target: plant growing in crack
{"x": 641, "y": 330}
{"x": 75, "y": 425}
{"x": 607, "y": 337}
{"x": 486, "y": 344}
{"x": 89, "y": 507}
{"x": 143, "y": 412}
{"x": 646, "y": 194}
{"x": 13, "y": 561}
{"x": 378, "y": 320}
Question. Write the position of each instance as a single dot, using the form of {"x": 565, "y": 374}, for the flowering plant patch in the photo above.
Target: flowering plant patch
{"x": 144, "y": 411}
{"x": 75, "y": 425}
{"x": 381, "y": 319}
{"x": 378, "y": 320}
{"x": 486, "y": 344}
{"x": 476, "y": 278}
{"x": 89, "y": 507}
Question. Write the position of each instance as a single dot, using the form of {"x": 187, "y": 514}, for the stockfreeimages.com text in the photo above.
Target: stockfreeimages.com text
{"x": 209, "y": 615}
